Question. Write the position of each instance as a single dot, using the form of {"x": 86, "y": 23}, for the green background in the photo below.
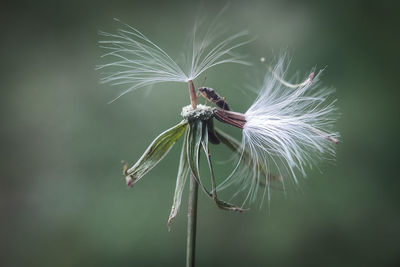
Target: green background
{"x": 63, "y": 201}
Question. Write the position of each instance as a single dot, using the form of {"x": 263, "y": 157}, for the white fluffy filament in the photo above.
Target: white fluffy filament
{"x": 139, "y": 62}
{"x": 288, "y": 128}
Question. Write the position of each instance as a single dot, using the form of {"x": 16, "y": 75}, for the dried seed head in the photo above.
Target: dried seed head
{"x": 202, "y": 112}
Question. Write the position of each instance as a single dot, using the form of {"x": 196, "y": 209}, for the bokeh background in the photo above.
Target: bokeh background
{"x": 63, "y": 201}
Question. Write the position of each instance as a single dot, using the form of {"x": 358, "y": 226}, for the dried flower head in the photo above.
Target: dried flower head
{"x": 286, "y": 129}
{"x": 138, "y": 62}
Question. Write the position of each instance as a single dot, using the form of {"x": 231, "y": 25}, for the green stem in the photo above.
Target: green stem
{"x": 192, "y": 221}
{"x": 192, "y": 202}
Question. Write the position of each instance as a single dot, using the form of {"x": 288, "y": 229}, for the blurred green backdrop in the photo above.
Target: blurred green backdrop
{"x": 63, "y": 201}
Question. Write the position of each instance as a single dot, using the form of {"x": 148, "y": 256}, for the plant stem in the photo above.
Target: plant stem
{"x": 193, "y": 95}
{"x": 192, "y": 202}
{"x": 192, "y": 222}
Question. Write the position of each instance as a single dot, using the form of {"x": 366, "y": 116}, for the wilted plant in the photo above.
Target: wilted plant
{"x": 287, "y": 127}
